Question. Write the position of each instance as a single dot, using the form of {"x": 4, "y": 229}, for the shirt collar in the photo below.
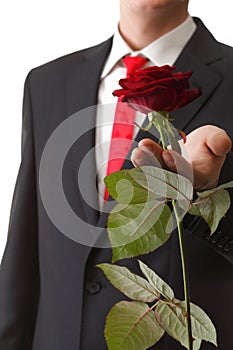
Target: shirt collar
{"x": 119, "y": 49}
{"x": 168, "y": 47}
{"x": 164, "y": 50}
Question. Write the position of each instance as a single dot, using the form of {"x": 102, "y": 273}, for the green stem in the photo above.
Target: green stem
{"x": 160, "y": 121}
{"x": 162, "y": 137}
{"x": 185, "y": 277}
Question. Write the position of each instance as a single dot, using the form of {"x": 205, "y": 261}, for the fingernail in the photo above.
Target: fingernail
{"x": 136, "y": 159}
{"x": 148, "y": 147}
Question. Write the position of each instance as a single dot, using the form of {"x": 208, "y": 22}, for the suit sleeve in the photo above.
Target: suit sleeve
{"x": 222, "y": 239}
{"x": 19, "y": 272}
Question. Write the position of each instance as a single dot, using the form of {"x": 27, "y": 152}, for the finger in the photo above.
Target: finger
{"x": 142, "y": 156}
{"x": 153, "y": 146}
{"x": 213, "y": 138}
{"x": 176, "y": 163}
{"x": 219, "y": 142}
{"x": 147, "y": 153}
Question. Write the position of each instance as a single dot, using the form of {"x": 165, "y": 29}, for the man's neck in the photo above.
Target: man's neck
{"x": 140, "y": 29}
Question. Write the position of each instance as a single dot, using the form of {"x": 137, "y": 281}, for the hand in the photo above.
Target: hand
{"x": 206, "y": 147}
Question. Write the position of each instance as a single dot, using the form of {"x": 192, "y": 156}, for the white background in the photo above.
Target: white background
{"x": 34, "y": 32}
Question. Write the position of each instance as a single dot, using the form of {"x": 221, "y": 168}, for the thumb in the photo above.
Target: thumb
{"x": 218, "y": 142}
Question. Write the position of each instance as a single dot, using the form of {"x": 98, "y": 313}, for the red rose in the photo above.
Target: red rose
{"x": 157, "y": 89}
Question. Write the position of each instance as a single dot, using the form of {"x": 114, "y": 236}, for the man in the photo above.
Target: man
{"x": 51, "y": 294}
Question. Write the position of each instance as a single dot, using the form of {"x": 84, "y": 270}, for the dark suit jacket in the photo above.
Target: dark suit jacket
{"x": 51, "y": 295}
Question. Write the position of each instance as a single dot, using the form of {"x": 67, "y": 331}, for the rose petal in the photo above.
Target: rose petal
{"x": 157, "y": 88}
{"x": 156, "y": 100}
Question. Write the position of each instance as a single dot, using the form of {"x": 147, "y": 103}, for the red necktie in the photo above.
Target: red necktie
{"x": 122, "y": 132}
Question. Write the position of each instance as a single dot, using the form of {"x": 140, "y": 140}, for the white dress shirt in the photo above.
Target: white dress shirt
{"x": 164, "y": 50}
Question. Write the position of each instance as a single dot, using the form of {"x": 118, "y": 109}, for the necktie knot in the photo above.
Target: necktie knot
{"x": 133, "y": 63}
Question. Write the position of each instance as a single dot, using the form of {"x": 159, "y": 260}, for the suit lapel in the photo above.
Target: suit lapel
{"x": 84, "y": 81}
{"x": 197, "y": 56}
{"x": 81, "y": 97}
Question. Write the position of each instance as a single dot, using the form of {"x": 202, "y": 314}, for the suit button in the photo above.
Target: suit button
{"x": 223, "y": 240}
{"x": 216, "y": 236}
{"x": 207, "y": 235}
{"x": 93, "y": 287}
{"x": 228, "y": 246}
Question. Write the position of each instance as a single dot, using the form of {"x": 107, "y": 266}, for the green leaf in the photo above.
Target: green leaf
{"x": 226, "y": 185}
{"x": 202, "y": 326}
{"x": 172, "y": 320}
{"x": 132, "y": 325}
{"x": 130, "y": 284}
{"x": 124, "y": 189}
{"x": 163, "y": 183}
{"x": 148, "y": 183}
{"x": 138, "y": 229}
{"x": 212, "y": 206}
{"x": 157, "y": 282}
